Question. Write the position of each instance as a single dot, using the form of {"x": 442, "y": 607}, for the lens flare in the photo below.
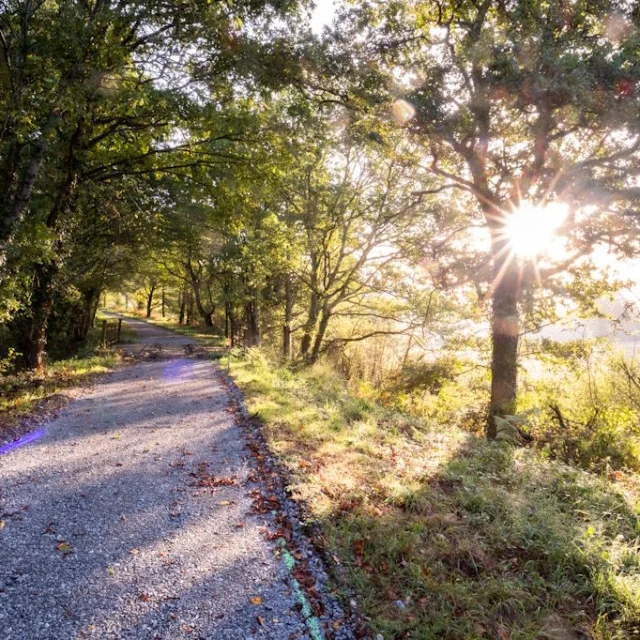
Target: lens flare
{"x": 28, "y": 439}
{"x": 531, "y": 228}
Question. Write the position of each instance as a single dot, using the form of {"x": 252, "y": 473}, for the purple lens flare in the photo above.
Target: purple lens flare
{"x": 178, "y": 371}
{"x": 28, "y": 439}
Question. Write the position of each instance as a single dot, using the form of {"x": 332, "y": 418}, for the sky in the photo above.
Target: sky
{"x": 322, "y": 14}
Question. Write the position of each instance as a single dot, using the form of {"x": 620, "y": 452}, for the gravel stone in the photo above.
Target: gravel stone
{"x": 106, "y": 533}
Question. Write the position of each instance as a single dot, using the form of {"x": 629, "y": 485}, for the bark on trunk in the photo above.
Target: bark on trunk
{"x": 94, "y": 311}
{"x": 163, "y": 302}
{"x": 27, "y": 182}
{"x": 253, "y": 321}
{"x": 322, "y": 329}
{"x": 150, "y": 300}
{"x": 189, "y": 308}
{"x": 505, "y": 338}
{"x": 288, "y": 318}
{"x": 310, "y": 325}
{"x": 89, "y": 310}
{"x": 183, "y": 307}
{"x": 204, "y": 314}
{"x": 314, "y": 310}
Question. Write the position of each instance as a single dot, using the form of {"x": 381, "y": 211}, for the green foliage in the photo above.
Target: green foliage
{"x": 424, "y": 375}
{"x": 588, "y": 416}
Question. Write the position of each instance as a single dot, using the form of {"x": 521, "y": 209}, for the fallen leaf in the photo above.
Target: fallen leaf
{"x": 112, "y": 571}
{"x": 260, "y": 621}
{"x": 256, "y": 600}
{"x": 63, "y": 547}
{"x": 225, "y": 503}
{"x": 2, "y": 523}
{"x": 133, "y": 551}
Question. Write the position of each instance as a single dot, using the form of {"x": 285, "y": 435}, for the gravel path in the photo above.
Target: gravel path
{"x": 110, "y": 527}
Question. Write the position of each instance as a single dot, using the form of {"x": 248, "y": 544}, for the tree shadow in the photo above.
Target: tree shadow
{"x": 107, "y": 531}
{"x": 496, "y": 544}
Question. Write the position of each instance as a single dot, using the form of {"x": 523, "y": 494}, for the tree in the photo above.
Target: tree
{"x": 514, "y": 105}
{"x": 360, "y": 213}
{"x": 101, "y": 109}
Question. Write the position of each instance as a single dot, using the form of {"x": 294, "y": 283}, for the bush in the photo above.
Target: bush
{"x": 591, "y": 418}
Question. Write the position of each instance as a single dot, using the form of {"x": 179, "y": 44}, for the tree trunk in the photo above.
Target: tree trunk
{"x": 90, "y": 307}
{"x": 183, "y": 306}
{"x": 207, "y": 316}
{"x": 229, "y": 323}
{"x": 314, "y": 309}
{"x": 504, "y": 338}
{"x": 27, "y": 183}
{"x": 288, "y": 318}
{"x": 150, "y": 300}
{"x": 228, "y": 314}
{"x": 310, "y": 324}
{"x": 189, "y": 308}
{"x": 36, "y": 325}
{"x": 94, "y": 311}
{"x": 163, "y": 302}
{"x": 322, "y": 329}
{"x": 253, "y": 320}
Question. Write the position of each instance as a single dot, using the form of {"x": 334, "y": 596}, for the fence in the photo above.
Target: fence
{"x": 111, "y": 332}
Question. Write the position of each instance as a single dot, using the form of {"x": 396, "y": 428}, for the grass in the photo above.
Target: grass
{"x": 442, "y": 534}
{"x": 23, "y": 394}
{"x": 437, "y": 532}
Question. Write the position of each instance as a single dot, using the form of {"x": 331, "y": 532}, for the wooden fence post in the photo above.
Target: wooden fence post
{"x": 103, "y": 340}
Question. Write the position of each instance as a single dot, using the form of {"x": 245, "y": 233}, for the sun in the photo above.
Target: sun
{"x": 531, "y": 228}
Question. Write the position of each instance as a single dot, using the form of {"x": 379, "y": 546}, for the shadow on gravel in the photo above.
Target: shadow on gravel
{"x": 123, "y": 540}
{"x": 97, "y": 514}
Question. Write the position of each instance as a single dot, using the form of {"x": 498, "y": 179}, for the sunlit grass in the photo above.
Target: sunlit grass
{"x": 441, "y": 534}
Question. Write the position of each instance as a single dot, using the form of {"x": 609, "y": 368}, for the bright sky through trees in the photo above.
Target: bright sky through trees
{"x": 322, "y": 14}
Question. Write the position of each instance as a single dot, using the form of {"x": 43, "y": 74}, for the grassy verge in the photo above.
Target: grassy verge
{"x": 23, "y": 394}
{"x": 441, "y": 534}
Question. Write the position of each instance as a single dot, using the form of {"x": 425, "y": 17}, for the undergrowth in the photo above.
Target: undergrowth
{"x": 442, "y": 534}
{"x": 23, "y": 393}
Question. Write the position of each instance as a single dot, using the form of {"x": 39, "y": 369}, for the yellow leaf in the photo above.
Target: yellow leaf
{"x": 256, "y": 600}
{"x": 225, "y": 503}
